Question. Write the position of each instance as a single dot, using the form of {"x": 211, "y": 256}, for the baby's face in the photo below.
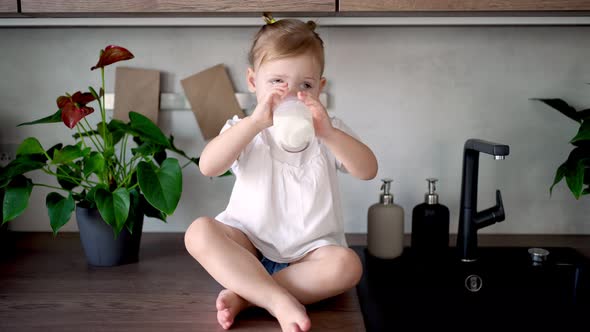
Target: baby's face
{"x": 300, "y": 73}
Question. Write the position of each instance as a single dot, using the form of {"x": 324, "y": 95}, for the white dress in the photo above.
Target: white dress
{"x": 287, "y": 204}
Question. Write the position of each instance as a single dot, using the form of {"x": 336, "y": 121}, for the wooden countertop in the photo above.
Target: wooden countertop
{"x": 46, "y": 284}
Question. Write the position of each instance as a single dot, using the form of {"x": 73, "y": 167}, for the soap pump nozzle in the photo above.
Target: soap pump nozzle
{"x": 431, "y": 197}
{"x": 386, "y": 197}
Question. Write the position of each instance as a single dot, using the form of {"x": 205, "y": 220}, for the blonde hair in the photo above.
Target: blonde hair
{"x": 285, "y": 38}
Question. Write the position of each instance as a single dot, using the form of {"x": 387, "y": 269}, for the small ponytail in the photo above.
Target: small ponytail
{"x": 268, "y": 18}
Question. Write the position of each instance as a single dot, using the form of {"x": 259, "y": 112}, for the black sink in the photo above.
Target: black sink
{"x": 503, "y": 288}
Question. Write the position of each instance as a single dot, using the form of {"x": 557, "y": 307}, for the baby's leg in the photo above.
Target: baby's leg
{"x": 322, "y": 273}
{"x": 236, "y": 268}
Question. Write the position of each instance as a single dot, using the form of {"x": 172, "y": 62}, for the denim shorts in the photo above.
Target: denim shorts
{"x": 271, "y": 266}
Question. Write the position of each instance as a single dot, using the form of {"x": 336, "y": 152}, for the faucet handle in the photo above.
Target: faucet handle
{"x": 500, "y": 215}
{"x": 492, "y": 215}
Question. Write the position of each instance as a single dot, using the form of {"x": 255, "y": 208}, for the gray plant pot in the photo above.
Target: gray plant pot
{"x": 99, "y": 242}
{"x": 3, "y": 227}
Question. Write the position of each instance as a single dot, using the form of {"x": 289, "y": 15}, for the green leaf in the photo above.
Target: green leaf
{"x": 20, "y": 165}
{"x": 94, "y": 163}
{"x": 56, "y": 147}
{"x": 582, "y": 144}
{"x": 113, "y": 207}
{"x": 136, "y": 138}
{"x": 586, "y": 174}
{"x": 227, "y": 173}
{"x": 162, "y": 186}
{"x": 91, "y": 196}
{"x": 584, "y": 114}
{"x": 151, "y": 211}
{"x": 30, "y": 146}
{"x": 69, "y": 153}
{"x": 575, "y": 179}
{"x": 3, "y": 182}
{"x": 559, "y": 174}
{"x": 563, "y": 107}
{"x": 64, "y": 173}
{"x": 147, "y": 129}
{"x": 158, "y": 152}
{"x": 2, "y": 191}
{"x": 60, "y": 210}
{"x": 16, "y": 197}
{"x": 583, "y": 133}
{"x": 118, "y": 129}
{"x": 134, "y": 211}
{"x": 147, "y": 149}
{"x": 108, "y": 153}
{"x": 160, "y": 156}
{"x": 55, "y": 117}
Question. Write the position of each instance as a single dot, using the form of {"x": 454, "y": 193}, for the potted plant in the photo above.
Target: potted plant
{"x": 576, "y": 168}
{"x": 109, "y": 184}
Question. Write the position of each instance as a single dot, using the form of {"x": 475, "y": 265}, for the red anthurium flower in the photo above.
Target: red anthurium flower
{"x": 112, "y": 54}
{"x": 73, "y": 108}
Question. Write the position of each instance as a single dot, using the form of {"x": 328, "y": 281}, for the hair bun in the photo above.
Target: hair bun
{"x": 311, "y": 25}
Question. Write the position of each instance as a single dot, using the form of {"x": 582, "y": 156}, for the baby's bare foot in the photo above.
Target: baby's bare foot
{"x": 291, "y": 315}
{"x": 229, "y": 305}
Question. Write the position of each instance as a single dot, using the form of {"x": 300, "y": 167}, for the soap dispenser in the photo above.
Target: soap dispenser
{"x": 385, "y": 231}
{"x": 430, "y": 224}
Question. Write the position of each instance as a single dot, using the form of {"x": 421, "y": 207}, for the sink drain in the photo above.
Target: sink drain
{"x": 473, "y": 283}
{"x": 538, "y": 255}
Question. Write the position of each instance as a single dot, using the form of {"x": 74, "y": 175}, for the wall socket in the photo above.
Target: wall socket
{"x": 7, "y": 153}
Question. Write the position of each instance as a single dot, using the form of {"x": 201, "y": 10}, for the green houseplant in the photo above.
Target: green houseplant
{"x": 100, "y": 171}
{"x": 576, "y": 168}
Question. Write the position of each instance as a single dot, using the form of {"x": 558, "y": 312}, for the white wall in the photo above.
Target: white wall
{"x": 414, "y": 94}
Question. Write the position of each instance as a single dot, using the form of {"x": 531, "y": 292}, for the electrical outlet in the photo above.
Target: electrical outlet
{"x": 7, "y": 153}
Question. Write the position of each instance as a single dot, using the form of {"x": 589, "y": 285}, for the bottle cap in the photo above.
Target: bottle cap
{"x": 386, "y": 197}
{"x": 431, "y": 197}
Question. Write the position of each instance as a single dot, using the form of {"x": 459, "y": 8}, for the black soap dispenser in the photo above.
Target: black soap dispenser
{"x": 430, "y": 224}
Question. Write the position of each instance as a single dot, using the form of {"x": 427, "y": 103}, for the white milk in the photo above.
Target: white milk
{"x": 293, "y": 125}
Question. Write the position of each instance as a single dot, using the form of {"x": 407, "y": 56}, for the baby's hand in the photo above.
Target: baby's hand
{"x": 321, "y": 120}
{"x": 262, "y": 114}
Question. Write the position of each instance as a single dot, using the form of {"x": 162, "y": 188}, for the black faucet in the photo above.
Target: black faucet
{"x": 469, "y": 219}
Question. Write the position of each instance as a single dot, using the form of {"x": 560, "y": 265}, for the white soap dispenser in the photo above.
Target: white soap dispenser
{"x": 385, "y": 229}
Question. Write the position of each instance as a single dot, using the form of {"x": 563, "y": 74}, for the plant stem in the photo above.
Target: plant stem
{"x": 134, "y": 158}
{"x": 80, "y": 133}
{"x": 123, "y": 152}
{"x": 66, "y": 176}
{"x": 127, "y": 178}
{"x": 102, "y": 110}
{"x": 97, "y": 142}
{"x": 48, "y": 186}
{"x": 118, "y": 173}
{"x": 98, "y": 100}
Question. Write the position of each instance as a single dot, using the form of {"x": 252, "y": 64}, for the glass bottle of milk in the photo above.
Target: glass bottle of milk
{"x": 293, "y": 125}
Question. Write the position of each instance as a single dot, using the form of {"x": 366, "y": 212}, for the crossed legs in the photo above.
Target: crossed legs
{"x": 231, "y": 259}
